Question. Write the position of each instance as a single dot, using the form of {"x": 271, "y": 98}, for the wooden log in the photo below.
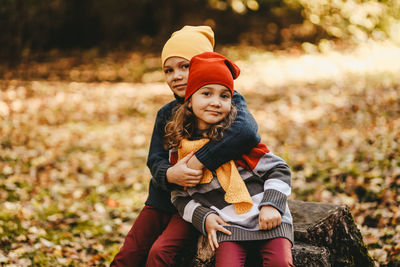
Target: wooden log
{"x": 325, "y": 235}
{"x": 333, "y": 227}
{"x": 311, "y": 256}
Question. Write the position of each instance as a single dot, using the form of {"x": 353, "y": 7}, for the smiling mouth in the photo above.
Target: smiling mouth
{"x": 212, "y": 112}
{"x": 180, "y": 86}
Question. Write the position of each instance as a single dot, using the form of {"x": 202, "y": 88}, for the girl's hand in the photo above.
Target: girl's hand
{"x": 182, "y": 175}
{"x": 269, "y": 218}
{"x": 213, "y": 224}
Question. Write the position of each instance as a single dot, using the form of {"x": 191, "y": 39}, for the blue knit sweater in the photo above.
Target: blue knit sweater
{"x": 240, "y": 138}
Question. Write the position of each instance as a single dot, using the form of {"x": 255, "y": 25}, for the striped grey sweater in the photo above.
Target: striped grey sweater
{"x": 267, "y": 178}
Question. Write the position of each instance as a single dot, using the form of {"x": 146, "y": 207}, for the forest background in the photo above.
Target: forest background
{"x": 81, "y": 81}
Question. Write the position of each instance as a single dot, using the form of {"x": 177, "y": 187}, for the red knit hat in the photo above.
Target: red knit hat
{"x": 208, "y": 68}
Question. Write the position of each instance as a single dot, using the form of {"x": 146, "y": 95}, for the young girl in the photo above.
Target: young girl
{"x": 159, "y": 234}
{"x": 239, "y": 208}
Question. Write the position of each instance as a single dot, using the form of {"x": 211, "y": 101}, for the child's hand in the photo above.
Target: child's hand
{"x": 194, "y": 163}
{"x": 269, "y": 218}
{"x": 213, "y": 224}
{"x": 182, "y": 175}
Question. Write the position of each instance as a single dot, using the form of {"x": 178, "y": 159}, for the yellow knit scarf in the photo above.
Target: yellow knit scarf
{"x": 227, "y": 174}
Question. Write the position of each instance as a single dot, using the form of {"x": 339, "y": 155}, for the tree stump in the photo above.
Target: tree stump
{"x": 325, "y": 235}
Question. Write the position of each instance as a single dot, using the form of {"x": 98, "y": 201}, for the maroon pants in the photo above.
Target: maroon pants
{"x": 275, "y": 252}
{"x": 155, "y": 239}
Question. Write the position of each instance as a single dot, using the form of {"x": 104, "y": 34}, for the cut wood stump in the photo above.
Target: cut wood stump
{"x": 325, "y": 235}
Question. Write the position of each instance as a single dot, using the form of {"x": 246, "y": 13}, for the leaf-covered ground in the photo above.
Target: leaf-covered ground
{"x": 72, "y": 164}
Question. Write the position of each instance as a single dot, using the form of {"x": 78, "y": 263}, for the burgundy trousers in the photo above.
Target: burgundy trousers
{"x": 155, "y": 239}
{"x": 276, "y": 252}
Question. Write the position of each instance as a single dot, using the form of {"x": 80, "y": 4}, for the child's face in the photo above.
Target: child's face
{"x": 176, "y": 71}
{"x": 211, "y": 104}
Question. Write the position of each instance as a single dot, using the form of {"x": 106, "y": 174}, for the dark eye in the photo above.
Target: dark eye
{"x": 225, "y": 96}
{"x": 206, "y": 93}
{"x": 185, "y": 66}
{"x": 167, "y": 71}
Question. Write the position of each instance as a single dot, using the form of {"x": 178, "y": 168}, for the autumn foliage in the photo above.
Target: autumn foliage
{"x": 73, "y": 173}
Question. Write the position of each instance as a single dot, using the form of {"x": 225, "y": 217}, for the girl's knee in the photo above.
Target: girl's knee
{"x": 277, "y": 252}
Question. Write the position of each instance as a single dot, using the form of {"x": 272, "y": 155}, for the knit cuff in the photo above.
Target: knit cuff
{"x": 204, "y": 155}
{"x": 199, "y": 218}
{"x": 162, "y": 180}
{"x": 275, "y": 199}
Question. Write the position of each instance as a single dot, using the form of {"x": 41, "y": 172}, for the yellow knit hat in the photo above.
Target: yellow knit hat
{"x": 188, "y": 42}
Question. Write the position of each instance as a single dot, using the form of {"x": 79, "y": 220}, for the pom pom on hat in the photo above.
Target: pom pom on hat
{"x": 188, "y": 42}
{"x": 210, "y": 68}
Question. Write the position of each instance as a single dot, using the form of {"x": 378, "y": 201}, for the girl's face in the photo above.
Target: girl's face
{"x": 211, "y": 104}
{"x": 176, "y": 71}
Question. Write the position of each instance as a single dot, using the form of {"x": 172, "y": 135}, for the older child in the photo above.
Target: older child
{"x": 159, "y": 233}
{"x": 238, "y": 208}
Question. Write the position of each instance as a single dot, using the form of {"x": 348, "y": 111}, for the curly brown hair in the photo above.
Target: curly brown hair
{"x": 183, "y": 126}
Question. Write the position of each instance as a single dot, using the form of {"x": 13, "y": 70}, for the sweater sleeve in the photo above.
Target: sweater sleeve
{"x": 157, "y": 159}
{"x": 238, "y": 139}
{"x": 277, "y": 181}
{"x": 190, "y": 210}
